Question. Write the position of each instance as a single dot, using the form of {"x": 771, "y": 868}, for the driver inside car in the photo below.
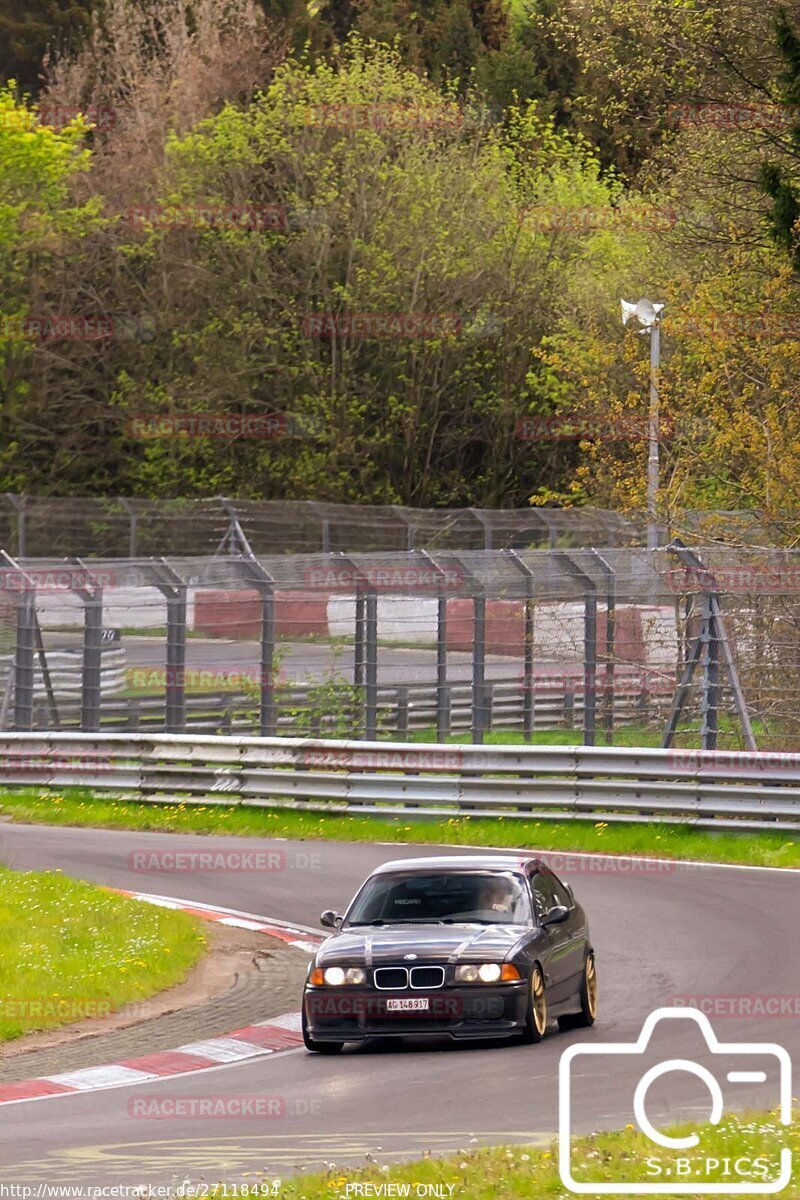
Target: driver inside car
{"x": 496, "y": 896}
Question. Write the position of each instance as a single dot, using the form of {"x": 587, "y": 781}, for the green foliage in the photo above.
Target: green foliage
{"x": 70, "y": 950}
{"x": 776, "y": 181}
{"x": 38, "y": 221}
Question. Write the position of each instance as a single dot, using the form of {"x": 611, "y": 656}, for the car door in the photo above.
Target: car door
{"x": 574, "y": 931}
{"x": 558, "y": 939}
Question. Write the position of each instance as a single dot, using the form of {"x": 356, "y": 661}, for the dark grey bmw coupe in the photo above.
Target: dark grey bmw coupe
{"x": 473, "y": 946}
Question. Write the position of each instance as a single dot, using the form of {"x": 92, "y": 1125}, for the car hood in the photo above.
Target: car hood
{"x": 369, "y": 946}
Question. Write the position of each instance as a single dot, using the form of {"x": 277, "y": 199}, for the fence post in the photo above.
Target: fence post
{"x": 709, "y": 703}
{"x": 23, "y": 661}
{"x": 527, "y": 683}
{"x": 402, "y": 712}
{"x": 590, "y": 669}
{"x": 268, "y": 707}
{"x": 370, "y": 665}
{"x": 18, "y": 504}
{"x": 92, "y": 660}
{"x": 569, "y": 704}
{"x": 176, "y": 661}
{"x": 478, "y": 665}
{"x": 358, "y": 648}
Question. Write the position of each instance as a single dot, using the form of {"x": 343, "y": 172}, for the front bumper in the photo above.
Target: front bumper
{"x": 470, "y": 1012}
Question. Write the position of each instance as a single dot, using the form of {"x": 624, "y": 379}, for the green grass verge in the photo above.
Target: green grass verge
{"x": 70, "y": 950}
{"x": 635, "y": 736}
{"x": 83, "y": 809}
{"x": 529, "y": 1173}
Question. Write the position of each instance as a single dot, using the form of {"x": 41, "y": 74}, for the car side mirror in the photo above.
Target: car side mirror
{"x": 556, "y": 916}
{"x": 330, "y": 919}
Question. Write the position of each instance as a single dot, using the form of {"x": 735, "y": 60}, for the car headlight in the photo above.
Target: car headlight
{"x": 338, "y": 976}
{"x": 487, "y": 973}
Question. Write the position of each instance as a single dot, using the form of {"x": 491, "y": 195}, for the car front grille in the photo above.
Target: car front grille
{"x": 396, "y": 978}
{"x": 391, "y": 978}
{"x": 427, "y": 977}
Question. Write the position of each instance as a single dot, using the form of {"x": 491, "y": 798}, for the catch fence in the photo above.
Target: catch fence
{"x": 685, "y": 647}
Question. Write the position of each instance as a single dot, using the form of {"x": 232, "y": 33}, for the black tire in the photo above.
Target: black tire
{"x": 588, "y": 998}
{"x": 319, "y": 1047}
{"x": 536, "y": 1016}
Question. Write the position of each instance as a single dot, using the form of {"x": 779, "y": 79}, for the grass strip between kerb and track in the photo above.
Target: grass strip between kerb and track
{"x": 754, "y": 1141}
{"x": 80, "y": 807}
{"x": 70, "y": 951}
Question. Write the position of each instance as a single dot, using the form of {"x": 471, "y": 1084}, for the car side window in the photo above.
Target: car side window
{"x": 561, "y": 894}
{"x": 543, "y": 894}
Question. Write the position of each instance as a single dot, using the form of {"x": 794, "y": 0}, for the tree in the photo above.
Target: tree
{"x": 417, "y": 211}
{"x": 28, "y": 33}
{"x": 38, "y": 225}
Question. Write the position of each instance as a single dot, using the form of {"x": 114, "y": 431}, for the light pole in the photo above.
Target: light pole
{"x": 648, "y": 314}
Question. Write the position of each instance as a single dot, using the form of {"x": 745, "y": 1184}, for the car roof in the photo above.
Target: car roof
{"x": 459, "y": 862}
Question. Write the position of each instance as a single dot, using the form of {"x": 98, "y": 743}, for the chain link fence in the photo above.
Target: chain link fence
{"x": 133, "y": 527}
{"x": 623, "y": 645}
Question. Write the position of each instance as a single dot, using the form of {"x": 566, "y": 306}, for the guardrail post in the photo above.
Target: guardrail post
{"x": 23, "y": 661}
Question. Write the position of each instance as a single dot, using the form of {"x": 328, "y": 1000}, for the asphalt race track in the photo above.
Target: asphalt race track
{"x": 303, "y": 662}
{"x": 698, "y": 931}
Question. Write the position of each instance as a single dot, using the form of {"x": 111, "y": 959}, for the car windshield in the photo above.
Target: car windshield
{"x": 447, "y": 897}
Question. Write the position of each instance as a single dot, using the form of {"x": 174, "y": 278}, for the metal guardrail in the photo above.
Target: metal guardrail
{"x": 399, "y": 709}
{"x": 706, "y": 789}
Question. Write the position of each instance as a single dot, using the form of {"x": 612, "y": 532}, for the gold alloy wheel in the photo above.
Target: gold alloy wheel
{"x": 538, "y": 1002}
{"x": 591, "y": 986}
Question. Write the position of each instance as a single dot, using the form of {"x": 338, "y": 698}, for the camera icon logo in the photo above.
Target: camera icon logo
{"x": 677, "y": 1172}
